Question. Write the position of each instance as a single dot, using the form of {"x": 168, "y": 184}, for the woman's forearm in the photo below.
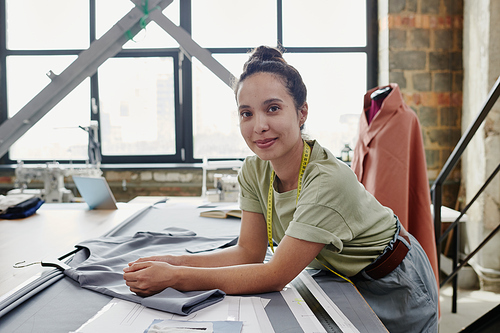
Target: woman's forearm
{"x": 239, "y": 279}
{"x": 235, "y": 255}
{"x": 290, "y": 258}
{"x": 234, "y": 270}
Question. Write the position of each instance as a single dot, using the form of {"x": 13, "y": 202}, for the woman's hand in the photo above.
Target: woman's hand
{"x": 169, "y": 259}
{"x": 146, "y": 278}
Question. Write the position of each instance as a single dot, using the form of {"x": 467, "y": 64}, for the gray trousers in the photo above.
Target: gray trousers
{"x": 406, "y": 300}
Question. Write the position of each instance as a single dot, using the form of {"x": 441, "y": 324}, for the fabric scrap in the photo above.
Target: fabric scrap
{"x": 99, "y": 266}
{"x": 23, "y": 209}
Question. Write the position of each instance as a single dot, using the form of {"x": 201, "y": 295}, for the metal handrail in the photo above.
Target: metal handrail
{"x": 437, "y": 192}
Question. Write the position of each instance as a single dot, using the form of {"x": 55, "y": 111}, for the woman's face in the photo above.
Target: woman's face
{"x": 269, "y": 121}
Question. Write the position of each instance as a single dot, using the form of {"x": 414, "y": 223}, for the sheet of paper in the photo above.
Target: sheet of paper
{"x": 164, "y": 326}
{"x": 128, "y": 317}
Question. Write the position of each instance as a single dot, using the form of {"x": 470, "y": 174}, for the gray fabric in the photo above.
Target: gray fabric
{"x": 27, "y": 291}
{"x": 99, "y": 266}
{"x": 60, "y": 308}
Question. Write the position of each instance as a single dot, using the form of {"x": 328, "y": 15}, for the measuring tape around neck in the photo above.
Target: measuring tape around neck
{"x": 306, "y": 153}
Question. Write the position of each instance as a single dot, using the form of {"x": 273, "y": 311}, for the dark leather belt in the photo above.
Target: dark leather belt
{"x": 388, "y": 261}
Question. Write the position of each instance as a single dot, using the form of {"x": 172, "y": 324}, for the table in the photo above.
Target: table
{"x": 64, "y": 305}
{"x": 51, "y": 232}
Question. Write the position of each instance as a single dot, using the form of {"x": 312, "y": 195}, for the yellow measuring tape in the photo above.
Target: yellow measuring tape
{"x": 306, "y": 153}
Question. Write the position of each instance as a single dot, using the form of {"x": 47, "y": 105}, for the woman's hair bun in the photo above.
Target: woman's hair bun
{"x": 266, "y": 53}
{"x": 265, "y": 59}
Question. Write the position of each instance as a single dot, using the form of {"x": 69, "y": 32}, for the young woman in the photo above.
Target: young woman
{"x": 297, "y": 193}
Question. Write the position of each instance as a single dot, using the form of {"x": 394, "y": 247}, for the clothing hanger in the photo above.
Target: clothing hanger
{"x": 381, "y": 93}
{"x": 51, "y": 263}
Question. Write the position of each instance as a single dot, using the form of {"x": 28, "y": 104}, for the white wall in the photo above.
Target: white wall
{"x": 481, "y": 70}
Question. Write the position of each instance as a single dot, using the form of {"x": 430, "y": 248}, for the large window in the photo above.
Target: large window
{"x": 153, "y": 101}
{"x": 137, "y": 106}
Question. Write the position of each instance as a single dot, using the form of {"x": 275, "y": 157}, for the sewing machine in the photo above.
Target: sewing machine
{"x": 52, "y": 174}
{"x": 226, "y": 187}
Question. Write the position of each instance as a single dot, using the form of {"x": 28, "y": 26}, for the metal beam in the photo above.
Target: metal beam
{"x": 84, "y": 66}
{"x": 89, "y": 60}
{"x": 189, "y": 46}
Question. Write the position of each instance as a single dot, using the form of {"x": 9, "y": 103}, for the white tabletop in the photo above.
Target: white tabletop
{"x": 51, "y": 232}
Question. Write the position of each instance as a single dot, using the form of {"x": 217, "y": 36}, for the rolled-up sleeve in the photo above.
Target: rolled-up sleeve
{"x": 249, "y": 195}
{"x": 328, "y": 226}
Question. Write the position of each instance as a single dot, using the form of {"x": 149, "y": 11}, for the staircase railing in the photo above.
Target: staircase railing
{"x": 437, "y": 192}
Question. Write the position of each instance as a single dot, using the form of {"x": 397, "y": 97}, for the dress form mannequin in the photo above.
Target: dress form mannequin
{"x": 377, "y": 98}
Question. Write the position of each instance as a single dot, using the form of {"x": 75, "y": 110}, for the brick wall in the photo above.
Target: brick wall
{"x": 425, "y": 60}
{"x": 128, "y": 184}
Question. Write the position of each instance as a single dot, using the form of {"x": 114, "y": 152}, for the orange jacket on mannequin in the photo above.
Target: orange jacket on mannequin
{"x": 389, "y": 160}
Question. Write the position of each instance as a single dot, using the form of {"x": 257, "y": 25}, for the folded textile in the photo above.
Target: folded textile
{"x": 99, "y": 266}
{"x": 11, "y": 200}
{"x": 24, "y": 209}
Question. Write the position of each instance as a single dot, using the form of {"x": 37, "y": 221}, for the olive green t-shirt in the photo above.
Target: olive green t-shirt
{"x": 333, "y": 208}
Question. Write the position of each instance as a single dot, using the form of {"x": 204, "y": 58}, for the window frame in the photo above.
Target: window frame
{"x": 182, "y": 77}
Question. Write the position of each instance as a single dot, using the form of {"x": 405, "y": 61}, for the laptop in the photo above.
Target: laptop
{"x": 96, "y": 192}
